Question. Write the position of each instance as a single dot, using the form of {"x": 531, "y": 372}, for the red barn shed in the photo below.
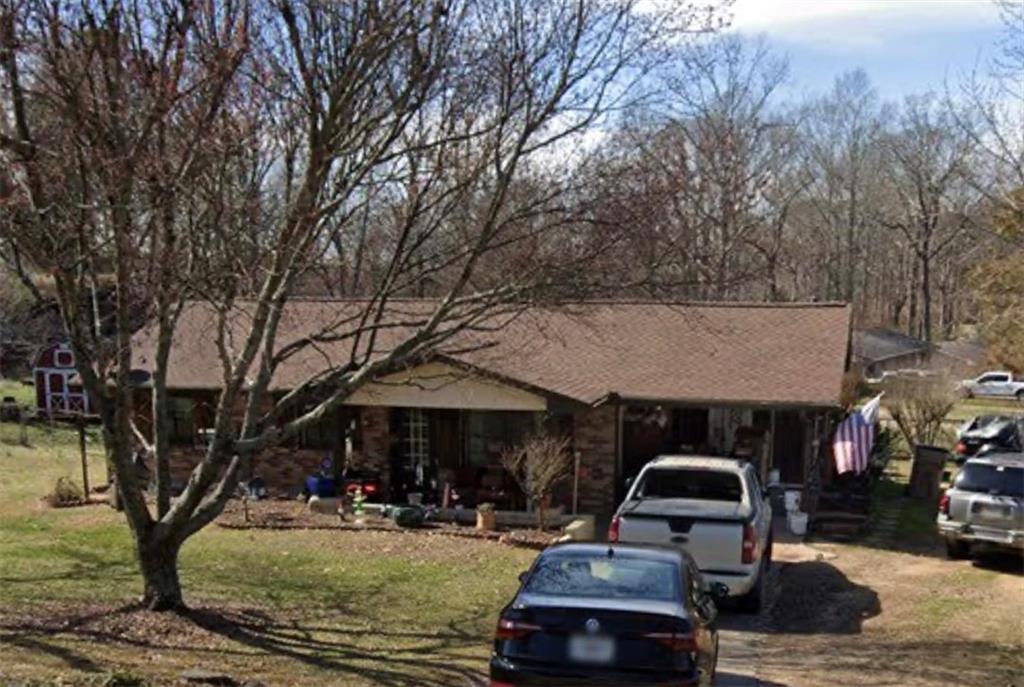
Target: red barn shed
{"x": 56, "y": 393}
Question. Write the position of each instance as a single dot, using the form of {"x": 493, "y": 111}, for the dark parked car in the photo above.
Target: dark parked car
{"x": 985, "y": 505}
{"x": 989, "y": 434}
{"x": 609, "y": 614}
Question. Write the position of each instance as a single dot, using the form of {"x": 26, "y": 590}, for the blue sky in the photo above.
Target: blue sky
{"x": 905, "y": 46}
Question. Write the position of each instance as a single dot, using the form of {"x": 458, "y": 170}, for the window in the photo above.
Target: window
{"x": 994, "y": 379}
{"x": 181, "y": 412}
{"x": 324, "y": 435}
{"x": 1000, "y": 480}
{"x": 63, "y": 359}
{"x": 415, "y": 439}
{"x": 490, "y": 433}
{"x": 609, "y": 577}
{"x": 704, "y": 485}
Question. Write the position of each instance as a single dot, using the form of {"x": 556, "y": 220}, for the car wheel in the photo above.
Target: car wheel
{"x": 1020, "y": 396}
{"x": 957, "y": 550}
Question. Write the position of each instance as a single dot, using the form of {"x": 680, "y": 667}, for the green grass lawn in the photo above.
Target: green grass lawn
{"x": 284, "y": 606}
{"x": 23, "y": 394}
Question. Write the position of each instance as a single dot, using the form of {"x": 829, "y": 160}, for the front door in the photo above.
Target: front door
{"x": 788, "y": 446}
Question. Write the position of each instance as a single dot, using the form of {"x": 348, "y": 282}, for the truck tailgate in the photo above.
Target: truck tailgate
{"x": 712, "y": 532}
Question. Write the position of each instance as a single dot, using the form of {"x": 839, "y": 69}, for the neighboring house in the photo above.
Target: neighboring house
{"x": 58, "y": 393}
{"x": 626, "y": 381}
{"x": 876, "y": 351}
{"x": 881, "y": 352}
{"x": 959, "y": 358}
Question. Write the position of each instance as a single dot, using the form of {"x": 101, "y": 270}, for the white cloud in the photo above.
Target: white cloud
{"x": 858, "y": 24}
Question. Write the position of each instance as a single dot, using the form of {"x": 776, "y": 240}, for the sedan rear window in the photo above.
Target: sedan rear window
{"x": 991, "y": 479}
{"x": 705, "y": 485}
{"x": 605, "y": 577}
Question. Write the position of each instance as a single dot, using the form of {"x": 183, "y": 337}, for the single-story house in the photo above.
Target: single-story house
{"x": 876, "y": 351}
{"x": 881, "y": 352}
{"x": 625, "y": 380}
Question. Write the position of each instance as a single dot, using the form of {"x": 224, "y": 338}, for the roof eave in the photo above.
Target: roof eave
{"x": 618, "y": 398}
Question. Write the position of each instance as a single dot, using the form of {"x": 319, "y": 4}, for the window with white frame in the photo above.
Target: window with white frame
{"x": 415, "y": 440}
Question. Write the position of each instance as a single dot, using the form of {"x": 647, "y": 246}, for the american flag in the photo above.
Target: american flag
{"x": 854, "y": 438}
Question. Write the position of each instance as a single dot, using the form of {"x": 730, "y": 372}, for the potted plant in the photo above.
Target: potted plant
{"x": 486, "y": 518}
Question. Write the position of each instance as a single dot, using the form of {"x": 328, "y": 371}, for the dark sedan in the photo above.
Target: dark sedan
{"x": 608, "y": 614}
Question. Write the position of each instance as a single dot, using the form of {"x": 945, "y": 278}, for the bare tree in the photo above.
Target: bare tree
{"x": 931, "y": 204}
{"x": 538, "y": 465}
{"x": 920, "y": 408}
{"x": 216, "y": 152}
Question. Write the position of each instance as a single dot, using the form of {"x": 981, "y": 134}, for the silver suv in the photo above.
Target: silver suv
{"x": 985, "y": 505}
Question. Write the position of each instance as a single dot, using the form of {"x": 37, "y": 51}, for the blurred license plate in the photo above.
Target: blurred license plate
{"x": 591, "y": 649}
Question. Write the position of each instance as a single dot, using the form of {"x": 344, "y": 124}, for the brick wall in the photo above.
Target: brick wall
{"x": 595, "y": 438}
{"x": 375, "y": 452}
{"x": 284, "y": 468}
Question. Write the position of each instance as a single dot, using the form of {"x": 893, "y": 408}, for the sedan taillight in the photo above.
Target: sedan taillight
{"x": 961, "y": 448}
{"x": 514, "y": 629}
{"x": 944, "y": 504}
{"x": 676, "y": 642}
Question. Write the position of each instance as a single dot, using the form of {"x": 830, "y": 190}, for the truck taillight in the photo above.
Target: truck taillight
{"x": 961, "y": 448}
{"x": 944, "y": 504}
{"x": 749, "y": 551}
{"x": 613, "y": 528}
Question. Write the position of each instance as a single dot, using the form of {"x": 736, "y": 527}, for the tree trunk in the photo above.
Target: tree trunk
{"x": 159, "y": 564}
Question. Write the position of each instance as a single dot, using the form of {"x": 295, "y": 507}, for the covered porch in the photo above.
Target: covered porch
{"x": 783, "y": 438}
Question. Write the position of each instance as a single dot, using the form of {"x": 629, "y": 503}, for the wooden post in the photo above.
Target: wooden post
{"x": 85, "y": 457}
{"x": 575, "y": 482}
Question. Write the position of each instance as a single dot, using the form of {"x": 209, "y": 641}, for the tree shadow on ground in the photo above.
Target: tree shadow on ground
{"x": 92, "y": 640}
{"x": 808, "y": 598}
{"x": 404, "y": 657}
{"x": 817, "y": 598}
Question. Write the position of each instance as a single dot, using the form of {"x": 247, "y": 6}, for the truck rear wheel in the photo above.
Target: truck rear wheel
{"x": 752, "y": 601}
{"x": 957, "y": 550}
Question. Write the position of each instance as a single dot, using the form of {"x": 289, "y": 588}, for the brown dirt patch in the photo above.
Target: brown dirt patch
{"x": 878, "y": 618}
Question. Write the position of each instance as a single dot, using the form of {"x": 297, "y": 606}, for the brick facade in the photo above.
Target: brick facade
{"x": 284, "y": 468}
{"x": 595, "y": 437}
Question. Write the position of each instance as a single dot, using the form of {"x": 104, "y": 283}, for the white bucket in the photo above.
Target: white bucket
{"x": 797, "y": 522}
{"x": 792, "y": 500}
{"x": 773, "y": 477}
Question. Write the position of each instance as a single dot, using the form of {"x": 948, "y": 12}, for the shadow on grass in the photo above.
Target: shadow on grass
{"x": 73, "y": 659}
{"x": 233, "y": 638}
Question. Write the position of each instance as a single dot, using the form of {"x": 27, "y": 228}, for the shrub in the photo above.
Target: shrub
{"x": 65, "y": 493}
{"x": 539, "y": 464}
{"x": 919, "y": 409}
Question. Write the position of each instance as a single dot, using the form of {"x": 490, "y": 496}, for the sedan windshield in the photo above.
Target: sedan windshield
{"x": 605, "y": 577}
{"x": 991, "y": 479}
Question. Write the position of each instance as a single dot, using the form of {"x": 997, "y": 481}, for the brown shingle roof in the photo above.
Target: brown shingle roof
{"x": 782, "y": 354}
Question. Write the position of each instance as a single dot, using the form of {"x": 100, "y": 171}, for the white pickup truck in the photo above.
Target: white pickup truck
{"x": 994, "y": 385}
{"x": 714, "y": 508}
